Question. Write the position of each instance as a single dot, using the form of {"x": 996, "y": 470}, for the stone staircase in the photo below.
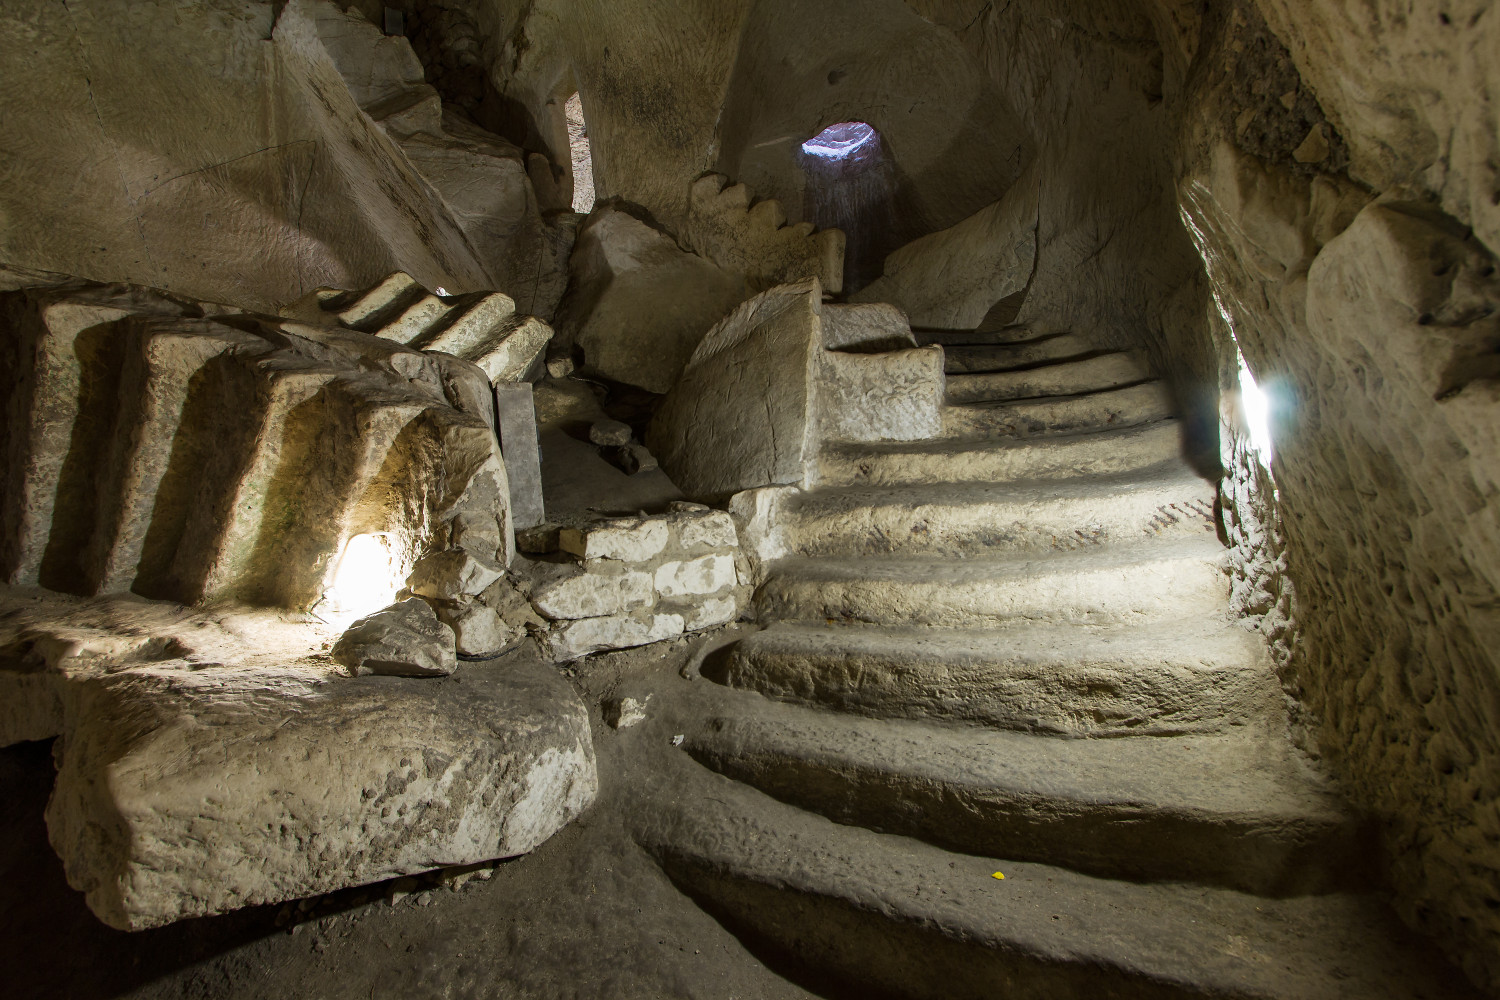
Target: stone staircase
{"x": 1006, "y": 649}
{"x": 192, "y": 452}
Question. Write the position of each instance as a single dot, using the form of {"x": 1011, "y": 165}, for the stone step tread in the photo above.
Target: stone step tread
{"x": 1212, "y": 645}
{"x": 1062, "y": 456}
{"x": 1070, "y": 680}
{"x": 218, "y": 545}
{"x": 386, "y": 299}
{"x": 1252, "y": 774}
{"x": 1102, "y": 371}
{"x": 977, "y": 338}
{"x": 920, "y": 569}
{"x": 155, "y": 388}
{"x": 1160, "y": 579}
{"x": 888, "y": 911}
{"x": 1174, "y": 477}
{"x": 472, "y": 325}
{"x": 1019, "y": 356}
{"x": 1144, "y": 402}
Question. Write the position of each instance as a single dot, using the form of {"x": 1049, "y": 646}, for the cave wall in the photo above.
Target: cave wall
{"x": 1099, "y": 87}
{"x": 672, "y": 90}
{"x": 205, "y": 148}
{"x": 1337, "y": 170}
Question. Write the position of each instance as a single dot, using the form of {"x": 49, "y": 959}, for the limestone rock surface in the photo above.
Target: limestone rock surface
{"x": 188, "y": 451}
{"x": 404, "y": 640}
{"x": 755, "y": 240}
{"x": 224, "y": 765}
{"x": 762, "y": 394}
{"x": 637, "y": 304}
{"x": 951, "y": 279}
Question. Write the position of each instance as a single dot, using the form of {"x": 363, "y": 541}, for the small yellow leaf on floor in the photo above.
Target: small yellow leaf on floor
{"x": 998, "y": 875}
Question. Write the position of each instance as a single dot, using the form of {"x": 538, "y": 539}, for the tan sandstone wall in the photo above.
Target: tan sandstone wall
{"x": 1339, "y": 174}
{"x": 204, "y": 147}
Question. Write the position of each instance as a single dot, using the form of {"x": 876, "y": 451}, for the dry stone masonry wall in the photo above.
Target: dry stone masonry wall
{"x": 621, "y": 582}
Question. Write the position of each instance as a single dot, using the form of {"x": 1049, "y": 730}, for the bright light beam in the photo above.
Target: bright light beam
{"x": 365, "y": 580}
{"x": 1255, "y": 406}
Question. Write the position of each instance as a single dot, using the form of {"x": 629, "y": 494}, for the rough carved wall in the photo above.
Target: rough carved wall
{"x": 1338, "y": 174}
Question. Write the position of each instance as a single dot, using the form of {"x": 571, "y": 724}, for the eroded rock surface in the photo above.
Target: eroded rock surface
{"x": 226, "y": 764}
{"x": 404, "y": 640}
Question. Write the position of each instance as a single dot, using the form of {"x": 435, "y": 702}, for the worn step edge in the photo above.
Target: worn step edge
{"x": 980, "y": 359}
{"x": 1057, "y": 680}
{"x": 1061, "y": 457}
{"x": 902, "y": 917}
{"x": 1234, "y": 810}
{"x": 1104, "y": 371}
{"x": 962, "y": 520}
{"x": 1155, "y": 580}
{"x": 1130, "y": 406}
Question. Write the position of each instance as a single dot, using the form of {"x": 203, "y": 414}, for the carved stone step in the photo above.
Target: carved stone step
{"x": 1060, "y": 680}
{"x": 966, "y": 519}
{"x": 1146, "y": 402}
{"x": 1061, "y": 457}
{"x": 886, "y": 912}
{"x": 1008, "y": 357}
{"x": 1156, "y": 580}
{"x": 1067, "y": 378}
{"x": 1240, "y": 810}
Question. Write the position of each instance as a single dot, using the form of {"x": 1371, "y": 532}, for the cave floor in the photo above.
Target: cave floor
{"x": 587, "y": 915}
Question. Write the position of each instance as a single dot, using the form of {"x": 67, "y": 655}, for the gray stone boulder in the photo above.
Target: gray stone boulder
{"x": 405, "y": 639}
{"x": 637, "y": 303}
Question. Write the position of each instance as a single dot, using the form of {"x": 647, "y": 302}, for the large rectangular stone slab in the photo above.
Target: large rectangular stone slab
{"x": 187, "y": 786}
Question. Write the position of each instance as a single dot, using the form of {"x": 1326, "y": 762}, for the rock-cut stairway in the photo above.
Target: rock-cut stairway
{"x": 1007, "y": 650}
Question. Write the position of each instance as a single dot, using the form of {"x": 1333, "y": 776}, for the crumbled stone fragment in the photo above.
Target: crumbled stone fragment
{"x": 405, "y": 640}
{"x": 626, "y": 539}
{"x": 1314, "y": 148}
{"x": 622, "y": 713}
{"x": 452, "y": 574}
{"x": 610, "y": 432}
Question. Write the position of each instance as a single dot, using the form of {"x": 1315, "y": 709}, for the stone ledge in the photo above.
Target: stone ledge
{"x": 194, "y": 781}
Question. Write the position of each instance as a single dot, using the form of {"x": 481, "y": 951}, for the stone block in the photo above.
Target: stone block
{"x": 515, "y": 411}
{"x": 691, "y": 577}
{"x": 568, "y": 590}
{"x": 405, "y": 640}
{"x": 452, "y": 575}
{"x": 216, "y": 761}
{"x": 576, "y": 639}
{"x": 624, "y": 539}
{"x": 714, "y": 611}
{"x": 714, "y": 529}
{"x": 637, "y": 304}
{"x": 479, "y": 632}
{"x": 738, "y": 418}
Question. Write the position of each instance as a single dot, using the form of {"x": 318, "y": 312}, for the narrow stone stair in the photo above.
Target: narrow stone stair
{"x": 1012, "y": 642}
{"x": 190, "y": 452}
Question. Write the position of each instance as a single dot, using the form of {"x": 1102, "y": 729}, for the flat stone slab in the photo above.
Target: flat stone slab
{"x": 191, "y": 784}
